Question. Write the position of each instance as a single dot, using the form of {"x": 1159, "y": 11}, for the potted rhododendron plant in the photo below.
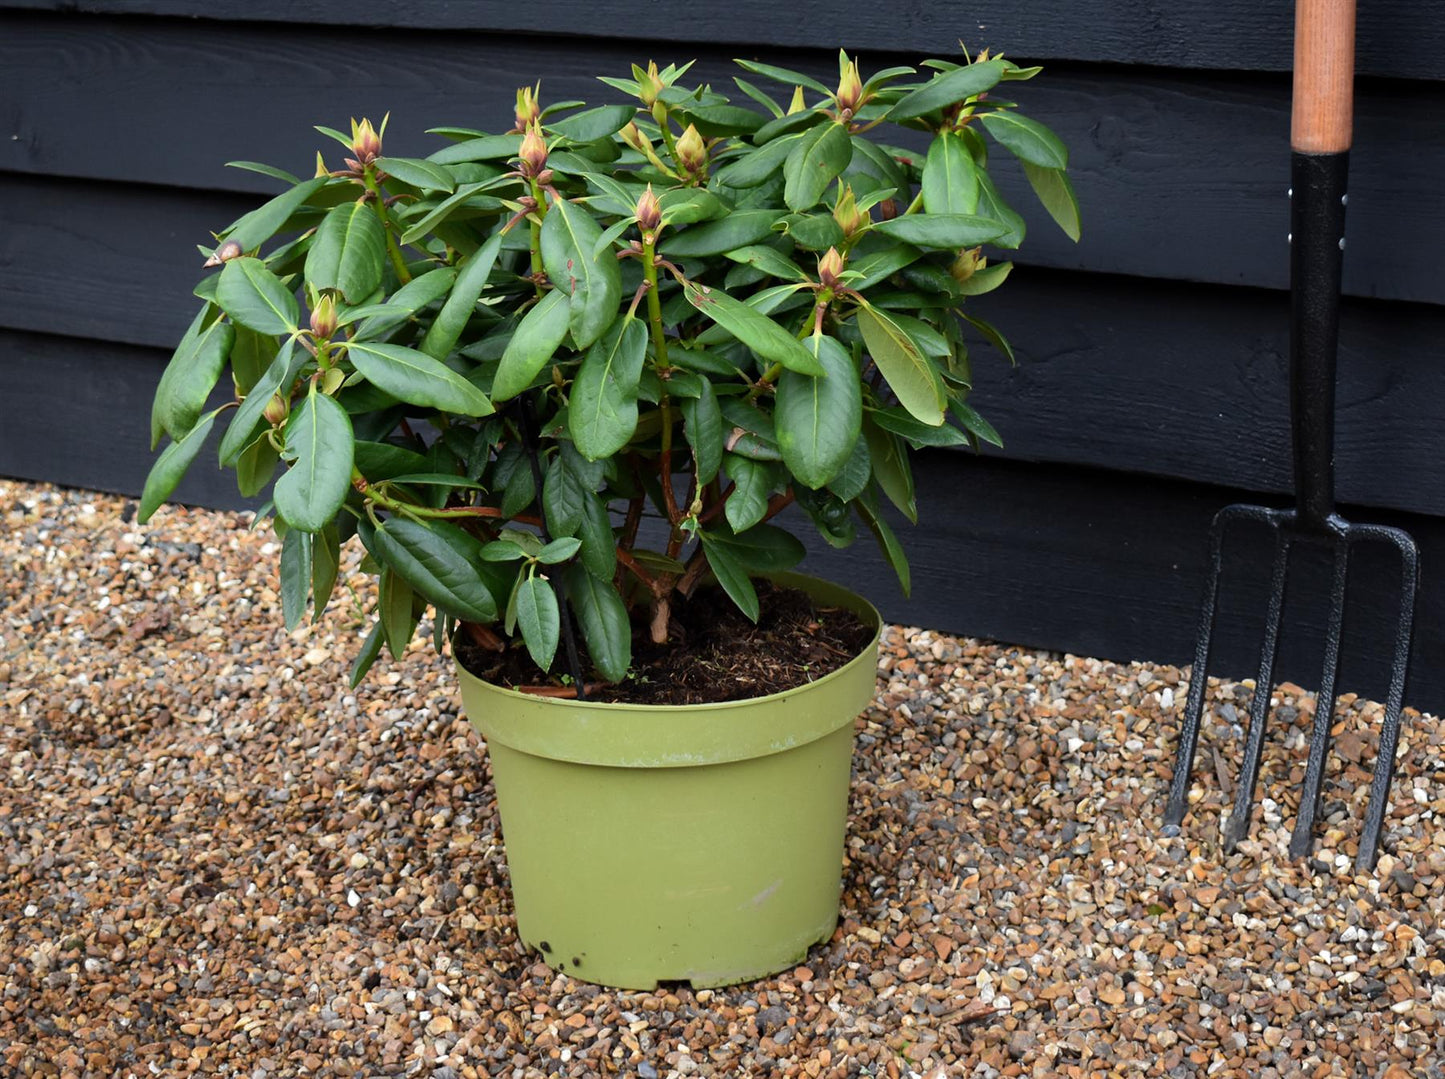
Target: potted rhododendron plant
{"x": 558, "y": 383}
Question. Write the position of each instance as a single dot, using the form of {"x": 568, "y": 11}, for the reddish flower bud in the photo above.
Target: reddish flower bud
{"x": 830, "y": 266}
{"x": 534, "y": 151}
{"x": 365, "y": 143}
{"x": 277, "y": 409}
{"x": 850, "y": 219}
{"x": 692, "y": 150}
{"x": 323, "y": 317}
{"x": 967, "y": 263}
{"x": 528, "y": 110}
{"x": 649, "y": 213}
{"x": 633, "y": 136}
{"x": 850, "y": 88}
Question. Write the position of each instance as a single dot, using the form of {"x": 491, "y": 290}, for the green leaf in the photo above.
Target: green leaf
{"x": 891, "y": 470}
{"x": 887, "y": 543}
{"x": 559, "y": 550}
{"x": 535, "y": 342}
{"x": 901, "y": 423}
{"x": 738, "y": 229}
{"x": 603, "y": 619}
{"x": 815, "y": 232}
{"x": 853, "y": 477}
{"x": 686, "y": 205}
{"x": 599, "y": 544}
{"x": 829, "y": 515}
{"x": 819, "y": 418}
{"x": 760, "y": 333}
{"x": 370, "y": 650}
{"x": 716, "y": 121}
{"x": 415, "y": 377}
{"x": 348, "y": 253}
{"x": 752, "y": 485}
{"x": 295, "y": 576}
{"x": 950, "y": 178}
{"x": 255, "y": 297}
{"x": 991, "y": 204}
{"x": 703, "y": 428}
{"x": 986, "y": 279}
{"x": 564, "y": 495}
{"x": 762, "y": 549}
{"x": 991, "y": 334}
{"x": 757, "y": 165}
{"x": 193, "y": 372}
{"x": 171, "y": 465}
{"x": 783, "y": 75}
{"x": 948, "y": 231}
{"x": 602, "y": 416}
{"x": 774, "y": 263}
{"x": 1057, "y": 195}
{"x": 451, "y": 320}
{"x": 910, "y": 374}
{"x": 948, "y": 89}
{"x": 594, "y": 124}
{"x": 256, "y": 465}
{"x": 251, "y": 354}
{"x": 819, "y": 157}
{"x": 377, "y": 318}
{"x": 436, "y": 479}
{"x": 426, "y": 175}
{"x": 592, "y": 282}
{"x": 258, "y": 226}
{"x": 486, "y": 148}
{"x": 539, "y": 619}
{"x": 732, "y": 575}
{"x": 266, "y": 170}
{"x": 1026, "y": 139}
{"x": 974, "y": 423}
{"x": 278, "y": 377}
{"x": 881, "y": 265}
{"x": 398, "y": 620}
{"x": 325, "y": 566}
{"x": 319, "y": 444}
{"x": 467, "y": 197}
{"x": 439, "y": 561}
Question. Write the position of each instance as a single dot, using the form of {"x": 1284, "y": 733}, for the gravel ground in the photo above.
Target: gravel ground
{"x": 218, "y": 859}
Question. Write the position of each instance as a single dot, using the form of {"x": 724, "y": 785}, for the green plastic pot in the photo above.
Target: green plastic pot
{"x": 694, "y": 843}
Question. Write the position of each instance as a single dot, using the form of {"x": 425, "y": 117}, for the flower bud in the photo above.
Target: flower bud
{"x": 850, "y": 88}
{"x": 691, "y": 150}
{"x": 967, "y": 263}
{"x": 528, "y": 110}
{"x": 850, "y": 219}
{"x": 649, "y": 213}
{"x": 534, "y": 151}
{"x": 323, "y": 317}
{"x": 225, "y": 253}
{"x": 649, "y": 83}
{"x": 830, "y": 266}
{"x": 888, "y": 209}
{"x": 365, "y": 142}
{"x": 633, "y": 136}
{"x": 321, "y": 169}
{"x": 277, "y": 409}
{"x": 796, "y": 105}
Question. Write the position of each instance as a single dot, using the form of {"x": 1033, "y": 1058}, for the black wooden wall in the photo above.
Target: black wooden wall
{"x": 1151, "y": 387}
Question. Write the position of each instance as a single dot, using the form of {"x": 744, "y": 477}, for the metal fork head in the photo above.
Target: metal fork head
{"x": 1341, "y": 536}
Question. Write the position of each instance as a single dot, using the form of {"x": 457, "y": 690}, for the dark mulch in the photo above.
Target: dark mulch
{"x": 714, "y": 654}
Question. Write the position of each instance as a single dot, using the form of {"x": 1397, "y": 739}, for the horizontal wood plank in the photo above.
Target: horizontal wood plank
{"x": 1070, "y": 559}
{"x": 1180, "y": 176}
{"x": 1140, "y": 376}
{"x": 1395, "y": 37}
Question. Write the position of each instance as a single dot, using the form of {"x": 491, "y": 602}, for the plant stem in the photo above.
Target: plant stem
{"x": 534, "y": 224}
{"x": 664, "y": 402}
{"x": 379, "y": 202}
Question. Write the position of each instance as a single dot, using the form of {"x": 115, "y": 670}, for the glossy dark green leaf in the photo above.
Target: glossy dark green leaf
{"x": 757, "y": 165}
{"x": 599, "y": 544}
{"x": 440, "y": 562}
{"x": 753, "y": 483}
{"x": 947, "y": 231}
{"x": 950, "y": 178}
{"x": 887, "y": 543}
{"x": 370, "y": 650}
{"x": 737, "y": 229}
{"x": 383, "y": 460}
{"x": 192, "y": 373}
{"x": 815, "y": 232}
{"x": 467, "y": 199}
{"x": 991, "y": 204}
{"x": 853, "y": 477}
{"x": 603, "y": 406}
{"x": 684, "y": 206}
{"x": 564, "y": 495}
{"x": 593, "y": 124}
{"x": 602, "y": 617}
{"x": 949, "y": 88}
{"x": 986, "y": 279}
{"x": 295, "y": 576}
{"x": 256, "y": 466}
{"x": 703, "y": 428}
{"x": 279, "y": 376}
{"x": 910, "y": 374}
{"x": 258, "y": 226}
{"x": 992, "y": 335}
{"x": 881, "y": 265}
{"x": 319, "y": 446}
{"x": 877, "y": 162}
{"x": 406, "y": 301}
{"x": 397, "y": 611}
{"x": 1026, "y": 139}
{"x": 559, "y": 550}
{"x": 325, "y": 567}
{"x": 485, "y": 148}
{"x": 901, "y": 423}
{"x": 539, "y": 619}
{"x": 415, "y": 377}
{"x": 829, "y": 514}
{"x": 819, "y": 418}
{"x": 720, "y": 121}
{"x": 974, "y": 423}
{"x": 171, "y": 465}
{"x": 348, "y": 253}
{"x": 255, "y": 297}
{"x": 732, "y": 575}
{"x": 891, "y": 469}
{"x": 762, "y": 549}
{"x": 1054, "y": 190}
{"x": 425, "y": 175}
{"x": 774, "y": 263}
{"x": 591, "y": 281}
{"x": 251, "y": 354}
{"x": 760, "y": 333}
{"x": 783, "y": 75}
{"x": 461, "y": 303}
{"x": 817, "y": 159}
{"x": 266, "y": 170}
{"x": 535, "y": 342}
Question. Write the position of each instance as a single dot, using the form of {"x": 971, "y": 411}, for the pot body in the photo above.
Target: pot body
{"x": 697, "y": 843}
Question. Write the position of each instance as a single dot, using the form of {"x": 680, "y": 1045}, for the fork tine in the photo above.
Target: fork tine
{"x": 1238, "y": 823}
{"x": 1302, "y": 841}
{"x": 1399, "y": 671}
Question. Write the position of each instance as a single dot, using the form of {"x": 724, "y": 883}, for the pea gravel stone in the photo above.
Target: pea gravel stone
{"x": 219, "y": 860}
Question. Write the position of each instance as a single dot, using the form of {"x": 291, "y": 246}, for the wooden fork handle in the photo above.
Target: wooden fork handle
{"x": 1324, "y": 72}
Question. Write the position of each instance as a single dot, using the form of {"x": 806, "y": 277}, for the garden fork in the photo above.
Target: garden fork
{"x": 1320, "y": 142}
